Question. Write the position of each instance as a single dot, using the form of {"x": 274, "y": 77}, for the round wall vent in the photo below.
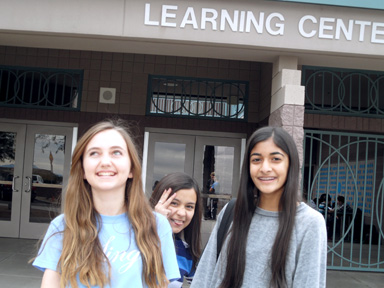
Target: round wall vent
{"x": 107, "y": 95}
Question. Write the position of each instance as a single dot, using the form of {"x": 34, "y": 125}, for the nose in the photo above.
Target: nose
{"x": 266, "y": 167}
{"x": 105, "y": 160}
{"x": 181, "y": 211}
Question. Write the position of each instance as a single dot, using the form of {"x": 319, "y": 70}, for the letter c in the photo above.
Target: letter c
{"x": 301, "y": 26}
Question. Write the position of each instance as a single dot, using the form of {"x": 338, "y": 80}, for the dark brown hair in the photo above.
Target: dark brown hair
{"x": 247, "y": 201}
{"x": 178, "y": 181}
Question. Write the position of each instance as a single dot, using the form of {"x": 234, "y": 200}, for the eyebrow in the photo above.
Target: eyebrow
{"x": 111, "y": 148}
{"x": 118, "y": 147}
{"x": 194, "y": 203}
{"x": 273, "y": 153}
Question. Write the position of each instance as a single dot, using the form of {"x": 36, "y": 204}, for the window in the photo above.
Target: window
{"x": 197, "y": 97}
{"x": 43, "y": 88}
{"x": 344, "y": 92}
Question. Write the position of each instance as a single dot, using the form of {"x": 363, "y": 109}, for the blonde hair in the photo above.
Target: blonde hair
{"x": 82, "y": 252}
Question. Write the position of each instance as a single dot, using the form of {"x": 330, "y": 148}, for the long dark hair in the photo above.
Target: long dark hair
{"x": 178, "y": 181}
{"x": 247, "y": 201}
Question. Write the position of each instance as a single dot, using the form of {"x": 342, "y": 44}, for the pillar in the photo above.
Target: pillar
{"x": 287, "y": 100}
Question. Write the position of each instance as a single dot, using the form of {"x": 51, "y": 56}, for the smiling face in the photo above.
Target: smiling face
{"x": 269, "y": 169}
{"x": 106, "y": 162}
{"x": 182, "y": 209}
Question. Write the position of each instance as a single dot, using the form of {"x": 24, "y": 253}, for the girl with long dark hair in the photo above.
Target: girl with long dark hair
{"x": 177, "y": 197}
{"x": 108, "y": 235}
{"x": 275, "y": 239}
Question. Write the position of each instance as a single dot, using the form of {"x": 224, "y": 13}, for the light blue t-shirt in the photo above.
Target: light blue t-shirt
{"x": 118, "y": 241}
{"x": 216, "y": 186}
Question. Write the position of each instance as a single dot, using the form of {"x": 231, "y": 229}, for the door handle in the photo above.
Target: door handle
{"x": 29, "y": 184}
{"x": 13, "y": 184}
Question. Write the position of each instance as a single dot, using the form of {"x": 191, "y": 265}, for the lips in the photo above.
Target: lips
{"x": 267, "y": 178}
{"x": 177, "y": 222}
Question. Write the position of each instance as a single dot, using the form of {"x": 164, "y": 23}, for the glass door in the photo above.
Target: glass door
{"x": 168, "y": 153}
{"x": 196, "y": 155}
{"x": 221, "y": 156}
{"x": 12, "y": 139}
{"x": 46, "y": 170}
{"x": 217, "y": 170}
{"x": 33, "y": 172}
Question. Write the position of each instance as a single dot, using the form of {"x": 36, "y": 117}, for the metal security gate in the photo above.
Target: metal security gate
{"x": 344, "y": 177}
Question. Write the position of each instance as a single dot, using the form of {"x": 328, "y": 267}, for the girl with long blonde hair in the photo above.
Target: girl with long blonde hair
{"x": 108, "y": 235}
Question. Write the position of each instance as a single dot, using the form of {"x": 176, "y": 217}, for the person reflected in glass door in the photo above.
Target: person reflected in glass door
{"x": 207, "y": 201}
{"x": 210, "y": 181}
{"x": 212, "y": 203}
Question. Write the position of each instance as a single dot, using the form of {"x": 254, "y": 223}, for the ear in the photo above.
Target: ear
{"x": 130, "y": 175}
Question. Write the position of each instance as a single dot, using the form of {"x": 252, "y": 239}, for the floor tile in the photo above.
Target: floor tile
{"x": 16, "y": 272}
{"x": 11, "y": 281}
{"x": 17, "y": 265}
{"x": 17, "y": 245}
{"x": 4, "y": 255}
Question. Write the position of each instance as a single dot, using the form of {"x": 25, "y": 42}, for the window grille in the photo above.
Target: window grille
{"x": 197, "y": 97}
{"x": 43, "y": 88}
{"x": 344, "y": 92}
{"x": 349, "y": 165}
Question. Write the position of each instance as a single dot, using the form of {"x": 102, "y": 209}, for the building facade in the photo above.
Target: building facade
{"x": 195, "y": 79}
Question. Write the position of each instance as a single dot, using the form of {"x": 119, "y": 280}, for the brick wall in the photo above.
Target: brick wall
{"x": 128, "y": 73}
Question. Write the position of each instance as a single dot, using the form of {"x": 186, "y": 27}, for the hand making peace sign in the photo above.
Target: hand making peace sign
{"x": 164, "y": 202}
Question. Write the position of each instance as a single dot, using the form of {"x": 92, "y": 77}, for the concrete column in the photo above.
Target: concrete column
{"x": 287, "y": 99}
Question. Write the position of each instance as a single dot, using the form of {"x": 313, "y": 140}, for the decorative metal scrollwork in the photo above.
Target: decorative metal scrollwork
{"x": 196, "y": 97}
{"x": 42, "y": 88}
{"x": 344, "y": 92}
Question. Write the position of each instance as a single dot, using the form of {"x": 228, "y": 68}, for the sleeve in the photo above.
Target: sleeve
{"x": 51, "y": 247}
{"x": 167, "y": 247}
{"x": 311, "y": 267}
{"x": 204, "y": 276}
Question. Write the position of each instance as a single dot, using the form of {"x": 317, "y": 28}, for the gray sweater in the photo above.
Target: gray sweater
{"x": 306, "y": 260}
